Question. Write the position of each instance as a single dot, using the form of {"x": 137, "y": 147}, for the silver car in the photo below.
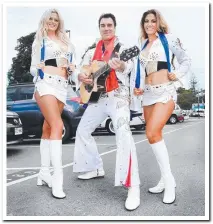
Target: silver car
{"x": 137, "y": 122}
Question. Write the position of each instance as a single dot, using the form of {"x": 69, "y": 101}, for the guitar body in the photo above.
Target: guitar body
{"x": 91, "y": 93}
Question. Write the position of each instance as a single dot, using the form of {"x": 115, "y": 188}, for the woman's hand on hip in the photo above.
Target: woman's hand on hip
{"x": 172, "y": 76}
{"x": 41, "y": 65}
{"x": 138, "y": 91}
{"x": 72, "y": 67}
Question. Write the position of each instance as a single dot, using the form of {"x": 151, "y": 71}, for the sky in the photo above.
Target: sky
{"x": 185, "y": 22}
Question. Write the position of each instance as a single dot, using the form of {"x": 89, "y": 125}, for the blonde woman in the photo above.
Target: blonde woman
{"x": 158, "y": 85}
{"x": 51, "y": 67}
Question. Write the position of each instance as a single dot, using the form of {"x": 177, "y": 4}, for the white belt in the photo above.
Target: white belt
{"x": 55, "y": 80}
{"x": 160, "y": 88}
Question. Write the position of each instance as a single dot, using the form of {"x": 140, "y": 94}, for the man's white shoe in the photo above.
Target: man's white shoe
{"x": 92, "y": 174}
{"x": 133, "y": 198}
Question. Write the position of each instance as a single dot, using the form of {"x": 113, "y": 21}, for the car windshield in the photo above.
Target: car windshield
{"x": 26, "y": 92}
{"x": 11, "y": 93}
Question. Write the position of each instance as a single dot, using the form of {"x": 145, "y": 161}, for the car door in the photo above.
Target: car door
{"x": 30, "y": 115}
{"x": 12, "y": 93}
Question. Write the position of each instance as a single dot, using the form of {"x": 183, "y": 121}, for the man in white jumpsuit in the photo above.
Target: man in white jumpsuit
{"x": 116, "y": 104}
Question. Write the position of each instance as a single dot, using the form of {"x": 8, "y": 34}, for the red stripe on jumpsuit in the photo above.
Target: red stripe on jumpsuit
{"x": 128, "y": 179}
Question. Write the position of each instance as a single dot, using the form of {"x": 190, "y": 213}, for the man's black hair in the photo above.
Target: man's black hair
{"x": 107, "y": 15}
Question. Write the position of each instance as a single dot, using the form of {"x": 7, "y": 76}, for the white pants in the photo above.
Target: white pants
{"x": 86, "y": 156}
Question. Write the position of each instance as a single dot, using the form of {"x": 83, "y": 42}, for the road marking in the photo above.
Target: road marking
{"x": 24, "y": 168}
{"x": 36, "y": 146}
{"x": 97, "y": 145}
{"x": 102, "y": 154}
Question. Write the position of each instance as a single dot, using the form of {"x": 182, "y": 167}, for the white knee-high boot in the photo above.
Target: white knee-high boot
{"x": 44, "y": 173}
{"x": 167, "y": 182}
{"x": 56, "y": 159}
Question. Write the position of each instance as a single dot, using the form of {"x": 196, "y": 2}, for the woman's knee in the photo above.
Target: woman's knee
{"x": 153, "y": 135}
{"x": 46, "y": 128}
{"x": 57, "y": 126}
{"x": 46, "y": 131}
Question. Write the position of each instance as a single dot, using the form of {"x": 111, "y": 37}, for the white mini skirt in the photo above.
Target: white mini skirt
{"x": 52, "y": 85}
{"x": 161, "y": 93}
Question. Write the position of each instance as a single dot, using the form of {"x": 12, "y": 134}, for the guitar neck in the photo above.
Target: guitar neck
{"x": 125, "y": 56}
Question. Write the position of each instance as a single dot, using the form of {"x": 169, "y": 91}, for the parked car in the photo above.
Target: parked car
{"x": 198, "y": 113}
{"x": 19, "y": 100}
{"x": 14, "y": 128}
{"x": 177, "y": 115}
{"x": 137, "y": 122}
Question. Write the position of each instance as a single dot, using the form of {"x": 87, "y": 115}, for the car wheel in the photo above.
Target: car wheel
{"x": 109, "y": 127}
{"x": 173, "y": 119}
{"x": 66, "y": 131}
{"x": 181, "y": 121}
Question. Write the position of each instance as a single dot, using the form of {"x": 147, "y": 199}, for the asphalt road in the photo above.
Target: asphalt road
{"x": 99, "y": 197}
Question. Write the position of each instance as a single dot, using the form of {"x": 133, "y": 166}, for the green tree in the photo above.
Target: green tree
{"x": 186, "y": 98}
{"x": 20, "y": 68}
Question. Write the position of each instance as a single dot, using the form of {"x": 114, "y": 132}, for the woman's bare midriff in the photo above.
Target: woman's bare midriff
{"x": 158, "y": 77}
{"x": 61, "y": 71}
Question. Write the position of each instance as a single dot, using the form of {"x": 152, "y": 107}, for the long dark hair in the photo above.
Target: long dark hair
{"x": 161, "y": 23}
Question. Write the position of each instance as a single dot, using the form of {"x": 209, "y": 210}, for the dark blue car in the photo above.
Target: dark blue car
{"x": 19, "y": 100}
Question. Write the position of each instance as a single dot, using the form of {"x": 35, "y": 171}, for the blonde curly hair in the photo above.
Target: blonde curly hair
{"x": 42, "y": 32}
{"x": 43, "y": 27}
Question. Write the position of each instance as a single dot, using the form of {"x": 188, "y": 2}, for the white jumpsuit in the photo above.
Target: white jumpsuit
{"x": 115, "y": 104}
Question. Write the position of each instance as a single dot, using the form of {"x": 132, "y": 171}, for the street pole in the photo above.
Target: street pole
{"x": 198, "y": 103}
{"x": 68, "y": 33}
{"x": 198, "y": 100}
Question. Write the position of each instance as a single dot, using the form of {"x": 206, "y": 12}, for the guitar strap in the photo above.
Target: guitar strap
{"x": 116, "y": 49}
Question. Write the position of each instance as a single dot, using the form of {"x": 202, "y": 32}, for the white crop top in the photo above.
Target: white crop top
{"x": 157, "y": 53}
{"x": 53, "y": 50}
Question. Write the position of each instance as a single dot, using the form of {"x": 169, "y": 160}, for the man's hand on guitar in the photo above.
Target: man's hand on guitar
{"x": 117, "y": 64}
{"x": 84, "y": 78}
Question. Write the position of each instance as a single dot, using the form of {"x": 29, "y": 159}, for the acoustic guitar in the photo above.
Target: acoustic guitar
{"x": 98, "y": 71}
